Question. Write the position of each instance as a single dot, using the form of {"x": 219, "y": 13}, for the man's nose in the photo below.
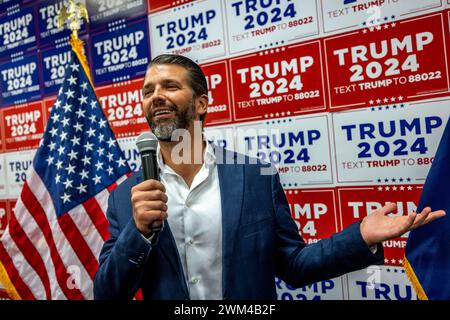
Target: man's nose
{"x": 158, "y": 97}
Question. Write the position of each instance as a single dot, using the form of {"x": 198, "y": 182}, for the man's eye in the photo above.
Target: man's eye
{"x": 172, "y": 87}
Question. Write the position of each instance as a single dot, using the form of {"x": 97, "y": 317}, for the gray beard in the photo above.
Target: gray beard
{"x": 163, "y": 131}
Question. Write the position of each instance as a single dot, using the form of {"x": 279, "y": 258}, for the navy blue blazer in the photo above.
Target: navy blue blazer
{"x": 260, "y": 240}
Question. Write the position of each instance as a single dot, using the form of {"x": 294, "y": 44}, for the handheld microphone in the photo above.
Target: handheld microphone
{"x": 147, "y": 143}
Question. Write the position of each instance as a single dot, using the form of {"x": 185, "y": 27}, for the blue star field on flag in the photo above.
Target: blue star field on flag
{"x": 78, "y": 155}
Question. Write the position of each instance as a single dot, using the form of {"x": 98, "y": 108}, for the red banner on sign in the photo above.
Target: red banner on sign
{"x": 48, "y": 104}
{"x": 314, "y": 212}
{"x": 122, "y": 105}
{"x": 390, "y": 63}
{"x": 279, "y": 82}
{"x": 357, "y": 202}
{"x": 23, "y": 126}
{"x": 219, "y": 108}
{"x": 160, "y": 5}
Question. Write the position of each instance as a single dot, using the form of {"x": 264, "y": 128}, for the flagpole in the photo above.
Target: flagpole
{"x": 71, "y": 16}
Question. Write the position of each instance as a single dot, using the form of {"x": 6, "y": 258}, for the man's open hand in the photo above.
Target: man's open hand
{"x": 378, "y": 227}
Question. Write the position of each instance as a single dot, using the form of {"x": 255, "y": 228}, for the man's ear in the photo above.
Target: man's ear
{"x": 201, "y": 104}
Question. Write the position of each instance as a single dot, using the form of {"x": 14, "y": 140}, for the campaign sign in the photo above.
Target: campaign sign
{"x": 104, "y": 11}
{"x": 120, "y": 52}
{"x": 19, "y": 80}
{"x": 339, "y": 15}
{"x": 256, "y": 25}
{"x": 53, "y": 63}
{"x": 357, "y": 202}
{"x": 48, "y": 22}
{"x": 130, "y": 152}
{"x": 3, "y": 186}
{"x": 393, "y": 62}
{"x": 299, "y": 147}
{"x": 23, "y": 126}
{"x": 324, "y": 290}
{"x": 219, "y": 107}
{"x": 122, "y": 105}
{"x": 222, "y": 136}
{"x": 314, "y": 212}
{"x": 4, "y": 215}
{"x": 17, "y": 30}
{"x": 278, "y": 82}
{"x": 394, "y": 142}
{"x": 194, "y": 30}
{"x": 380, "y": 283}
{"x": 17, "y": 165}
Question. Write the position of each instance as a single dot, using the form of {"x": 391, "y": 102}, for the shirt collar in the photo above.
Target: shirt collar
{"x": 209, "y": 159}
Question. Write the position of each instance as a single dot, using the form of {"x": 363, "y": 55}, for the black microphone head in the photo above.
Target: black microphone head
{"x": 147, "y": 141}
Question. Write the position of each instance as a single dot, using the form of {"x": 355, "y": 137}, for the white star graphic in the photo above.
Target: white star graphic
{"x": 50, "y": 160}
{"x": 101, "y": 137}
{"x": 84, "y": 85}
{"x": 111, "y": 142}
{"x": 72, "y": 79}
{"x": 81, "y": 188}
{"x": 84, "y": 174}
{"x": 52, "y": 146}
{"x": 55, "y": 117}
{"x": 97, "y": 179}
{"x": 54, "y": 132}
{"x": 75, "y": 140}
{"x": 74, "y": 67}
{"x": 65, "y": 198}
{"x": 78, "y": 127}
{"x": 110, "y": 171}
{"x": 110, "y": 156}
{"x": 100, "y": 151}
{"x": 65, "y": 122}
{"x": 73, "y": 154}
{"x": 61, "y": 150}
{"x": 63, "y": 136}
{"x": 57, "y": 104}
{"x": 80, "y": 113}
{"x": 57, "y": 178}
{"x": 93, "y": 104}
{"x": 102, "y": 123}
{"x": 88, "y": 146}
{"x": 82, "y": 100}
{"x": 69, "y": 93}
{"x": 93, "y": 118}
{"x": 86, "y": 160}
{"x": 59, "y": 164}
{"x": 91, "y": 132}
{"x": 67, "y": 107}
{"x": 121, "y": 162}
{"x": 68, "y": 183}
{"x": 99, "y": 165}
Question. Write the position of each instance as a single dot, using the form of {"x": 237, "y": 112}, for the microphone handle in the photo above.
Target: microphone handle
{"x": 150, "y": 171}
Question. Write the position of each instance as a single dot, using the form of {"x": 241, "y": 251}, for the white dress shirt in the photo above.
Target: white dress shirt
{"x": 194, "y": 216}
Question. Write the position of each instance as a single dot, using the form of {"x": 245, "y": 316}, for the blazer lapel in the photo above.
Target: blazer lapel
{"x": 231, "y": 181}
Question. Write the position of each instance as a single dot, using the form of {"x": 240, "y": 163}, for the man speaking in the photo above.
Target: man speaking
{"x": 224, "y": 225}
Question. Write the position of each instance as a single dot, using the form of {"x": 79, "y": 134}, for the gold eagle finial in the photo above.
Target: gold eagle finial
{"x": 72, "y": 14}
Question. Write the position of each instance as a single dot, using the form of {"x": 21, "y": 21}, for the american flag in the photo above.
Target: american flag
{"x": 51, "y": 246}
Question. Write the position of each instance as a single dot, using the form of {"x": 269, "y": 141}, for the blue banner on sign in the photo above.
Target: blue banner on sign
{"x": 19, "y": 80}
{"x": 120, "y": 52}
{"x": 48, "y": 22}
{"x": 17, "y": 31}
{"x": 6, "y": 4}
{"x": 53, "y": 66}
{"x": 104, "y": 11}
